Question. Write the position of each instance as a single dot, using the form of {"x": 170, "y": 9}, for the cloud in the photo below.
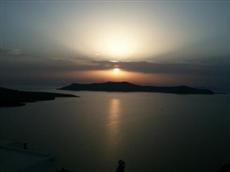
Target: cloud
{"x": 13, "y": 52}
{"x": 21, "y": 67}
{"x": 35, "y": 64}
{"x": 168, "y": 68}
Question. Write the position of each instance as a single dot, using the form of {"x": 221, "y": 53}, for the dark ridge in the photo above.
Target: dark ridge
{"x": 130, "y": 87}
{"x": 10, "y": 97}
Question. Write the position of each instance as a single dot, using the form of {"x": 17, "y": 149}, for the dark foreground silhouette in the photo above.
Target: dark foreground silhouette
{"x": 129, "y": 87}
{"x": 121, "y": 166}
{"x": 225, "y": 168}
{"x": 9, "y": 97}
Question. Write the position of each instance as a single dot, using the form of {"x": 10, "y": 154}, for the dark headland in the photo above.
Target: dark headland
{"x": 130, "y": 87}
{"x": 9, "y": 97}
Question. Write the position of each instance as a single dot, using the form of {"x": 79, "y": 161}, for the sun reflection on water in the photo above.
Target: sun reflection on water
{"x": 113, "y": 123}
{"x": 114, "y": 113}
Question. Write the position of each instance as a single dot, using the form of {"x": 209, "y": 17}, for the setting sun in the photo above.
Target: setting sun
{"x": 116, "y": 70}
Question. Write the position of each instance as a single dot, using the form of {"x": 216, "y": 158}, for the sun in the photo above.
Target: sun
{"x": 116, "y": 70}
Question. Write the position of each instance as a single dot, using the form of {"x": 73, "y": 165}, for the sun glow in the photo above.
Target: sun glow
{"x": 117, "y": 46}
{"x": 116, "y": 70}
{"x": 121, "y": 75}
{"x": 114, "y": 42}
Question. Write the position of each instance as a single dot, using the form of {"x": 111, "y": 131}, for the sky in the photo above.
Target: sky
{"x": 167, "y": 42}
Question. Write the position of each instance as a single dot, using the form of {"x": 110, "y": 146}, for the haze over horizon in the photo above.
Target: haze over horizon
{"x": 165, "y": 42}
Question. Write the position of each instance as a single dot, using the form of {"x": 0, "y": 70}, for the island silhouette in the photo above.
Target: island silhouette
{"x": 10, "y": 97}
{"x": 130, "y": 87}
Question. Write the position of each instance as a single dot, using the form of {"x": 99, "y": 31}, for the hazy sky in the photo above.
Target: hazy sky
{"x": 166, "y": 42}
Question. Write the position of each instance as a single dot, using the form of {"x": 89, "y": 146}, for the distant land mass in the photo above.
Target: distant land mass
{"x": 130, "y": 87}
{"x": 10, "y": 97}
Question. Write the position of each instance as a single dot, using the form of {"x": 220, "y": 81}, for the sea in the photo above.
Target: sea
{"x": 151, "y": 132}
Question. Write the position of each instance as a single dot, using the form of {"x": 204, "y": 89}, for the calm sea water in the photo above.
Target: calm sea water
{"x": 150, "y": 131}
